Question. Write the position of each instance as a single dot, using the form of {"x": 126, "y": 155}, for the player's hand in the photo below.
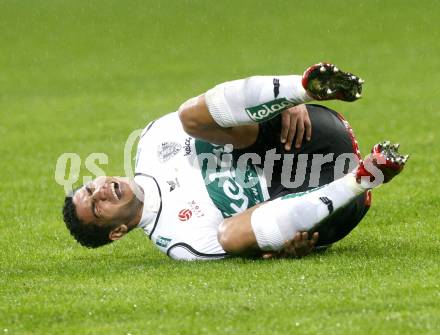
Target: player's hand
{"x": 301, "y": 245}
{"x": 295, "y": 125}
{"x": 298, "y": 247}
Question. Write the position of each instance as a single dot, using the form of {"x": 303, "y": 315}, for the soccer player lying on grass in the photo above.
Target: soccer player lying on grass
{"x": 215, "y": 178}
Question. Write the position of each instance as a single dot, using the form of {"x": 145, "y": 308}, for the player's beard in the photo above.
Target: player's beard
{"x": 127, "y": 212}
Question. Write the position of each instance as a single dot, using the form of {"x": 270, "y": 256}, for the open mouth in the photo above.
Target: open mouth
{"x": 116, "y": 190}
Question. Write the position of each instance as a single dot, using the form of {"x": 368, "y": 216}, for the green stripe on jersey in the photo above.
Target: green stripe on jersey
{"x": 300, "y": 194}
{"x": 232, "y": 189}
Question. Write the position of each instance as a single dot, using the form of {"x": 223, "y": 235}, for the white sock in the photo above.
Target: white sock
{"x": 254, "y": 99}
{"x": 277, "y": 221}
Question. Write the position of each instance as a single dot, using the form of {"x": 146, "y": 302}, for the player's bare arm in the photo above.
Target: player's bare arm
{"x": 230, "y": 112}
{"x": 198, "y": 122}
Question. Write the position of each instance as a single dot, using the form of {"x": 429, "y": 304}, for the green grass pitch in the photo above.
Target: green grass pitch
{"x": 79, "y": 76}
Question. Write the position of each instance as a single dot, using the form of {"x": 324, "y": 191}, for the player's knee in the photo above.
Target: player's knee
{"x": 227, "y": 237}
{"x": 235, "y": 237}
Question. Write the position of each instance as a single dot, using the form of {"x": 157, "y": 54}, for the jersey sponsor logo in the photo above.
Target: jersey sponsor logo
{"x": 195, "y": 208}
{"x": 268, "y": 110}
{"x": 276, "y": 87}
{"x": 230, "y": 194}
{"x": 185, "y": 215}
{"x": 167, "y": 150}
{"x": 173, "y": 184}
{"x": 187, "y": 146}
{"x": 163, "y": 241}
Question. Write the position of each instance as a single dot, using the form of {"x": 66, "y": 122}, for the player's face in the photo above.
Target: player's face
{"x": 106, "y": 200}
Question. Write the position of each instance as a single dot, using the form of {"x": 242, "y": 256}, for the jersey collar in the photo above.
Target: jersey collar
{"x": 151, "y": 202}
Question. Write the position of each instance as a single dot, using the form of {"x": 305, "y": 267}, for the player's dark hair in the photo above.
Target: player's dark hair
{"x": 90, "y": 235}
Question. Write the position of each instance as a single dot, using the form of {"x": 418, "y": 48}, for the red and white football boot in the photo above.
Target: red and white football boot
{"x": 325, "y": 81}
{"x": 382, "y": 165}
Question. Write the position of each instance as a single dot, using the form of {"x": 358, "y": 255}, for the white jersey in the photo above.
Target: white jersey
{"x": 189, "y": 189}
